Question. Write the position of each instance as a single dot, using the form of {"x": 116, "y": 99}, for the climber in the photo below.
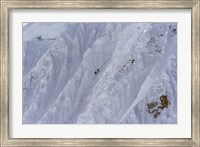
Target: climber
{"x": 97, "y": 71}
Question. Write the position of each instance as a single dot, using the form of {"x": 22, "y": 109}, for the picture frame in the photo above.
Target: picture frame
{"x": 7, "y": 5}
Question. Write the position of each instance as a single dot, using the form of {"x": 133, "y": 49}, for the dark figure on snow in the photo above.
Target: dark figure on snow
{"x": 39, "y": 38}
{"x": 132, "y": 61}
{"x": 96, "y": 72}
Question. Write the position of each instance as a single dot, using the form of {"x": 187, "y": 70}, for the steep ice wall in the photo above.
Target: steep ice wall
{"x": 134, "y": 83}
{"x": 98, "y": 72}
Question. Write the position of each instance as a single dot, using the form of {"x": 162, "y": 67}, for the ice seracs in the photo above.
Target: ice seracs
{"x": 99, "y": 73}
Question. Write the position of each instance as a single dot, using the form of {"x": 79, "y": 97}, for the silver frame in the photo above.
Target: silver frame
{"x": 6, "y": 5}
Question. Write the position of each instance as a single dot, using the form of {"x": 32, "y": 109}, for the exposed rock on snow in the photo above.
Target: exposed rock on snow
{"x": 100, "y": 73}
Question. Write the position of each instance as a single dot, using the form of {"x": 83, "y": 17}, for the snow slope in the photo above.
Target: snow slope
{"x": 62, "y": 84}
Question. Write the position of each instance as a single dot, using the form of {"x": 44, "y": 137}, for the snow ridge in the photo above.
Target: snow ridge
{"x": 98, "y": 73}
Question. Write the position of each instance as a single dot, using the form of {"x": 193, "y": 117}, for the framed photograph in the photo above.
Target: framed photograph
{"x": 100, "y": 73}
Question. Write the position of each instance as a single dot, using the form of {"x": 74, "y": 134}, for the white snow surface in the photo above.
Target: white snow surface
{"x": 137, "y": 64}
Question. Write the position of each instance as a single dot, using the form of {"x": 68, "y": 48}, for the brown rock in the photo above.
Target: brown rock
{"x": 164, "y": 101}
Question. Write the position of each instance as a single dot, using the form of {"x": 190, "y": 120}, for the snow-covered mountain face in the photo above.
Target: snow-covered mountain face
{"x": 100, "y": 73}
